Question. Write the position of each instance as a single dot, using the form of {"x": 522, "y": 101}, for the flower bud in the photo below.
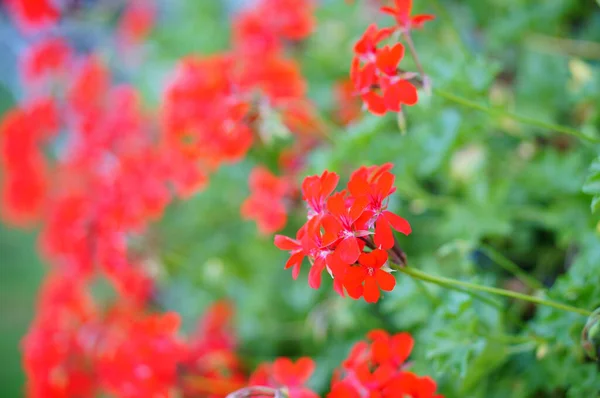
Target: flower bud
{"x": 590, "y": 337}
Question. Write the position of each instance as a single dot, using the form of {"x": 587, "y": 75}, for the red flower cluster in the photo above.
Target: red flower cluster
{"x": 377, "y": 368}
{"x": 76, "y": 349}
{"x": 374, "y": 71}
{"x": 263, "y": 29}
{"x": 341, "y": 226}
{"x": 285, "y": 374}
{"x": 25, "y": 181}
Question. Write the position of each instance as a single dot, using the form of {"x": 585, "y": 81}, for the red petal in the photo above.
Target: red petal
{"x": 348, "y": 250}
{"x": 385, "y": 280}
{"x": 338, "y": 287}
{"x": 397, "y": 222}
{"x": 383, "y": 374}
{"x": 328, "y": 183}
{"x": 304, "y": 369}
{"x": 283, "y": 370}
{"x": 368, "y": 260}
{"x": 388, "y": 10}
{"x": 384, "y": 184}
{"x": 378, "y": 334}
{"x": 295, "y": 258}
{"x": 402, "y": 344}
{"x": 371, "y": 291}
{"x": 358, "y": 186}
{"x": 286, "y": 243}
{"x": 332, "y": 227}
{"x": 396, "y": 54}
{"x": 380, "y": 256}
{"x": 296, "y": 271}
{"x": 375, "y": 103}
{"x": 314, "y": 275}
{"x": 354, "y": 276}
{"x": 337, "y": 266}
{"x": 380, "y": 351}
{"x": 418, "y": 20}
{"x": 383, "y": 234}
{"x": 337, "y": 205}
{"x": 354, "y": 291}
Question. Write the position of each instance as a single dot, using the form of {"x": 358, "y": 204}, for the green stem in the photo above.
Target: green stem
{"x": 514, "y": 116}
{"x": 511, "y": 267}
{"x": 443, "y": 281}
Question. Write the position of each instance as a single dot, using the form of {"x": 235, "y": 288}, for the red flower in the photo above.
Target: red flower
{"x": 407, "y": 384}
{"x": 316, "y": 190}
{"x": 128, "y": 367}
{"x": 367, "y": 278}
{"x": 290, "y": 19}
{"x": 366, "y": 46}
{"x": 293, "y": 375}
{"x": 403, "y": 18}
{"x": 390, "y": 350}
{"x": 294, "y": 246}
{"x": 376, "y": 184}
{"x": 396, "y": 90}
{"x": 365, "y": 82}
{"x": 339, "y": 224}
{"x": 285, "y": 374}
{"x": 378, "y": 370}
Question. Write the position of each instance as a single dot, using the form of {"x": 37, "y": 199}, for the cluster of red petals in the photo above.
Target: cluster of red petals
{"x": 267, "y": 26}
{"x": 374, "y": 72}
{"x": 215, "y": 104}
{"x": 267, "y": 201}
{"x": 284, "y": 374}
{"x": 75, "y": 348}
{"x": 25, "y": 181}
{"x": 377, "y": 368}
{"x": 347, "y": 233}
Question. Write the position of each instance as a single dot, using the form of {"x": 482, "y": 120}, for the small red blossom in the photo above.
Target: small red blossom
{"x": 283, "y": 373}
{"x": 378, "y": 369}
{"x": 402, "y": 13}
{"x": 341, "y": 226}
{"x": 366, "y": 279}
{"x": 316, "y": 190}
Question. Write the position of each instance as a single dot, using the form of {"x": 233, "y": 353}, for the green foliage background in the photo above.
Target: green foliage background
{"x": 470, "y": 183}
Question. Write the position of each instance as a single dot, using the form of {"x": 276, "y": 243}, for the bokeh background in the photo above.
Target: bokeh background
{"x": 472, "y": 184}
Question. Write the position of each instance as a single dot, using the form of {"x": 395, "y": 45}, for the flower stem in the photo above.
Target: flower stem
{"x": 508, "y": 265}
{"x": 519, "y": 118}
{"x": 413, "y": 53}
{"x": 443, "y": 281}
